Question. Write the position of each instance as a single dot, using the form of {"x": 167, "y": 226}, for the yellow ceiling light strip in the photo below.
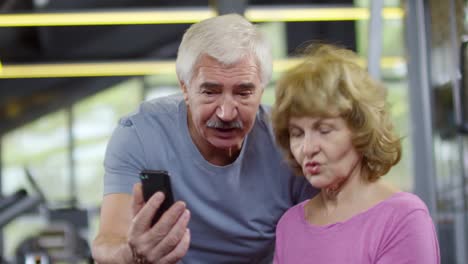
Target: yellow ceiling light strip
{"x": 125, "y": 68}
{"x": 105, "y": 18}
{"x": 385, "y": 62}
{"x": 317, "y": 14}
{"x": 87, "y": 69}
{"x": 176, "y": 16}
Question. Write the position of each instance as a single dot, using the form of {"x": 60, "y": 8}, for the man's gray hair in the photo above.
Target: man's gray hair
{"x": 227, "y": 38}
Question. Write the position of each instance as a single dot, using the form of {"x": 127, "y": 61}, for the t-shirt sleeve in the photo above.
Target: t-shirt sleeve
{"x": 276, "y": 259}
{"x": 414, "y": 240}
{"x": 278, "y": 243}
{"x": 124, "y": 159}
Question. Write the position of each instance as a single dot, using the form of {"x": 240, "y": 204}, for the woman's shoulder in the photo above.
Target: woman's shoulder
{"x": 406, "y": 201}
{"x": 401, "y": 205}
{"x": 293, "y": 214}
{"x": 390, "y": 197}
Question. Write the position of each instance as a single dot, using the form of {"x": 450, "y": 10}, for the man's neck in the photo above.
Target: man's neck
{"x": 221, "y": 157}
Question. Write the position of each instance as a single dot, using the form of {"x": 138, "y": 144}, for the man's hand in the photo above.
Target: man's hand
{"x": 165, "y": 242}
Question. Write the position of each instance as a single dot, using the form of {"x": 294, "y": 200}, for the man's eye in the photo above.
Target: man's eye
{"x": 207, "y": 92}
{"x": 246, "y": 94}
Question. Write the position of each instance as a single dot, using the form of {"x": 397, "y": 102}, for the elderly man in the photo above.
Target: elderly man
{"x": 217, "y": 145}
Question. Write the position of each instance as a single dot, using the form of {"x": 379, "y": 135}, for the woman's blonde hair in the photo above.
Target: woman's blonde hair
{"x": 329, "y": 83}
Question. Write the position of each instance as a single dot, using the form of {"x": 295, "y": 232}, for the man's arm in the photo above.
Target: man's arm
{"x": 125, "y": 231}
{"x": 110, "y": 245}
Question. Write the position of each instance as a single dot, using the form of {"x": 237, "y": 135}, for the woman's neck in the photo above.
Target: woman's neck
{"x": 353, "y": 197}
{"x": 343, "y": 193}
{"x": 344, "y": 186}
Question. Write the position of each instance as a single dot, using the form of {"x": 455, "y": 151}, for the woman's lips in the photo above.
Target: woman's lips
{"x": 312, "y": 168}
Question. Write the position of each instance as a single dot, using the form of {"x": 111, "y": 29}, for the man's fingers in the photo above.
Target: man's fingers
{"x": 142, "y": 220}
{"x": 173, "y": 238}
{"x": 168, "y": 237}
{"x": 165, "y": 235}
{"x": 167, "y": 221}
{"x": 179, "y": 251}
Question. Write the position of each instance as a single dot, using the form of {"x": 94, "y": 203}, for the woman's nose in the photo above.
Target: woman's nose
{"x": 311, "y": 145}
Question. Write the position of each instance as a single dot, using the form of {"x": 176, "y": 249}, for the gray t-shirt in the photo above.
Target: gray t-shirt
{"x": 234, "y": 208}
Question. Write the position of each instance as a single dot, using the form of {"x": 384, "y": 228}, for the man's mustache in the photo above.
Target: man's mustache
{"x": 219, "y": 124}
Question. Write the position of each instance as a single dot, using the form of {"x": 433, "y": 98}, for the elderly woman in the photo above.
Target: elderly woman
{"x": 332, "y": 122}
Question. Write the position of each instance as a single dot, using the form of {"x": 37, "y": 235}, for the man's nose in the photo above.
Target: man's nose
{"x": 227, "y": 109}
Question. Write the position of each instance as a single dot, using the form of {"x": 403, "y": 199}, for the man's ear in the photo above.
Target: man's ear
{"x": 184, "y": 88}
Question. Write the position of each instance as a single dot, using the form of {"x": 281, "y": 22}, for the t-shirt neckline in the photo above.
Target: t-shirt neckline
{"x": 321, "y": 228}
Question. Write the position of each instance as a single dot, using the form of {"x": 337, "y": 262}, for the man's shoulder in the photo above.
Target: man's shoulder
{"x": 155, "y": 108}
{"x": 264, "y": 112}
{"x": 165, "y": 104}
{"x": 263, "y": 116}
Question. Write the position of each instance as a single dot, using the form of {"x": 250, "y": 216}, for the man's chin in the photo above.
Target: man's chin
{"x": 226, "y": 143}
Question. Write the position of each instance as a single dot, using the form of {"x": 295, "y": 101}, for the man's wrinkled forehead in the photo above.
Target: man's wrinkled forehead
{"x": 208, "y": 69}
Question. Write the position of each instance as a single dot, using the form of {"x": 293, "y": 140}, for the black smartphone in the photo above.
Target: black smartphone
{"x": 154, "y": 181}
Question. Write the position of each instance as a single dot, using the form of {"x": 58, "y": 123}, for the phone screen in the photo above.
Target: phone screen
{"x": 154, "y": 181}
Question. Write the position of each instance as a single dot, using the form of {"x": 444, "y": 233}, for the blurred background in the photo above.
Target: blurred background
{"x": 70, "y": 69}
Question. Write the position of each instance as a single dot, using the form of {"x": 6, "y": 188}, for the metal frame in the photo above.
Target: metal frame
{"x": 72, "y": 188}
{"x": 2, "y": 242}
{"x": 421, "y": 105}
{"x": 421, "y": 109}
{"x": 375, "y": 38}
{"x": 228, "y": 6}
{"x": 460, "y": 206}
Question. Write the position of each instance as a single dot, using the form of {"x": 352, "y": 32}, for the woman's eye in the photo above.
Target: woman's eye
{"x": 325, "y": 130}
{"x": 295, "y": 133}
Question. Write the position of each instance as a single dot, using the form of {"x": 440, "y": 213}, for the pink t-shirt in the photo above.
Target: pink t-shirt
{"x": 397, "y": 230}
